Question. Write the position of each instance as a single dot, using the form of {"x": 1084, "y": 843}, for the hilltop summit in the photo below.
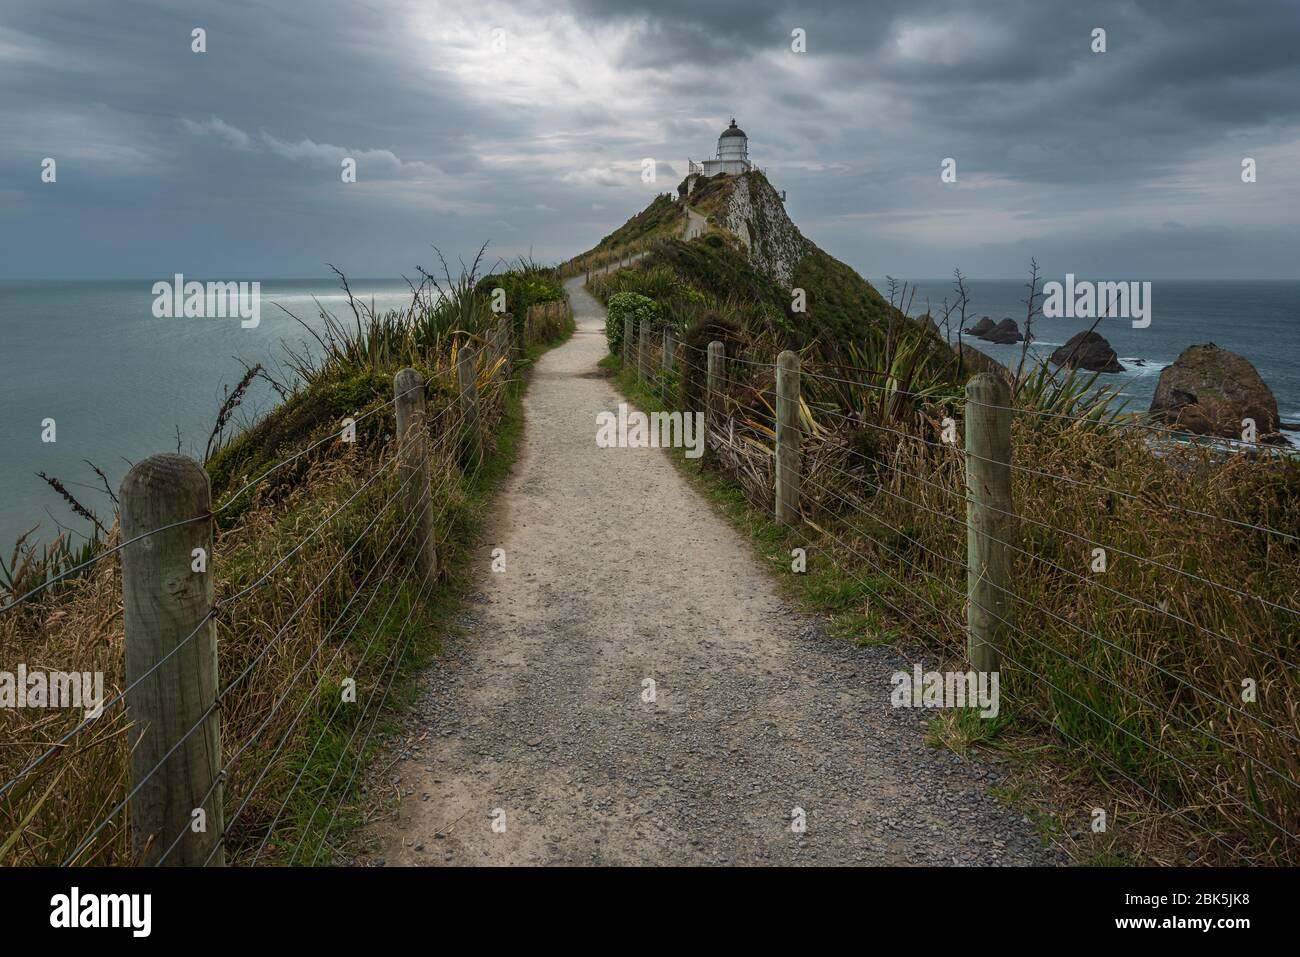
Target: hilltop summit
{"x": 748, "y": 207}
{"x": 725, "y": 235}
{"x": 744, "y": 246}
{"x": 736, "y": 196}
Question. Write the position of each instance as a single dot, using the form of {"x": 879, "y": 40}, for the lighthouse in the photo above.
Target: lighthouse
{"x": 733, "y": 148}
{"x": 732, "y": 157}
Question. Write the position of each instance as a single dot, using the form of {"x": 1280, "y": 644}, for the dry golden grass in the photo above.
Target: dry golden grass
{"x": 1136, "y": 672}
{"x": 329, "y": 611}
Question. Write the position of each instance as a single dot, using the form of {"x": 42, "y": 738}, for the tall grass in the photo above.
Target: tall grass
{"x": 442, "y": 310}
{"x": 1139, "y": 670}
{"x": 1141, "y": 673}
{"x": 334, "y": 608}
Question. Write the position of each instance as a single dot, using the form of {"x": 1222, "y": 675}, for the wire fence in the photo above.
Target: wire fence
{"x": 250, "y": 649}
{"x": 1146, "y": 620}
{"x": 1149, "y": 616}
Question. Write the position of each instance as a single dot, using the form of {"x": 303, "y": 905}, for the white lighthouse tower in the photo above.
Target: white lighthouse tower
{"x": 732, "y": 157}
{"x": 733, "y": 149}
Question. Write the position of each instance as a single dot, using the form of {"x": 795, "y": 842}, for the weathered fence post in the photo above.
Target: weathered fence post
{"x": 643, "y": 353}
{"x": 413, "y": 460}
{"x": 990, "y": 520}
{"x": 467, "y": 383}
{"x": 629, "y": 331}
{"x": 788, "y": 457}
{"x": 670, "y": 350}
{"x": 167, "y": 600}
{"x": 713, "y": 391}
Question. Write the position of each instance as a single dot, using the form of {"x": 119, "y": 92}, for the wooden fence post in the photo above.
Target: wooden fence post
{"x": 167, "y": 600}
{"x": 467, "y": 382}
{"x": 788, "y": 457}
{"x": 643, "y": 353}
{"x": 505, "y": 341}
{"x": 670, "y": 350}
{"x": 713, "y": 391}
{"x": 990, "y": 517}
{"x": 629, "y": 332}
{"x": 413, "y": 466}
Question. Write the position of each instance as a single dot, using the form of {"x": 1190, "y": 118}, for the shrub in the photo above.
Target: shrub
{"x": 522, "y": 289}
{"x": 622, "y": 307}
{"x": 524, "y": 286}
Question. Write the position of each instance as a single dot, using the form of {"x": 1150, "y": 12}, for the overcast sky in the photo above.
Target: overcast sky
{"x": 525, "y": 124}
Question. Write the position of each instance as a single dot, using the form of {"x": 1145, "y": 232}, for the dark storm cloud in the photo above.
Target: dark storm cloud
{"x": 1175, "y": 73}
{"x": 228, "y": 162}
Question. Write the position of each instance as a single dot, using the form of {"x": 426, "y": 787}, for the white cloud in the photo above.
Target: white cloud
{"x": 233, "y": 138}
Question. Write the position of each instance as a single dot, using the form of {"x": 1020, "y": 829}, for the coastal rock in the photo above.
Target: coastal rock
{"x": 1208, "y": 391}
{"x": 1088, "y": 350}
{"x": 1004, "y": 333}
{"x": 974, "y": 362}
{"x": 981, "y": 328}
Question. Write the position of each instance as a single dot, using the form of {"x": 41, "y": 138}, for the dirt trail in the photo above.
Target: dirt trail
{"x": 695, "y": 225}
{"x": 617, "y": 571}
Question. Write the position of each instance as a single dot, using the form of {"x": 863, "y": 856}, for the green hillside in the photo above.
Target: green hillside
{"x": 744, "y": 270}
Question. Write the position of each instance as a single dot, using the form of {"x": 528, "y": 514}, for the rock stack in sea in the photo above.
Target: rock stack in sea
{"x": 1211, "y": 391}
{"x": 1088, "y": 350}
{"x": 1005, "y": 332}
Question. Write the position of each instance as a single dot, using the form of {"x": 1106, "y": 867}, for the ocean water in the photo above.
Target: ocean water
{"x": 120, "y": 383}
{"x": 1256, "y": 319}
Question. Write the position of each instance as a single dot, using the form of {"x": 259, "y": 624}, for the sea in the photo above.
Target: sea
{"x": 1259, "y": 320}
{"x": 121, "y": 384}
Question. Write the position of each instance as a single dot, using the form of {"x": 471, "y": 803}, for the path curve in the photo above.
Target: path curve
{"x": 695, "y": 225}
{"x": 618, "y": 571}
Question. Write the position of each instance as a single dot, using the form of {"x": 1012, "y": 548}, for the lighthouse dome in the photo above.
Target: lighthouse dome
{"x": 733, "y": 144}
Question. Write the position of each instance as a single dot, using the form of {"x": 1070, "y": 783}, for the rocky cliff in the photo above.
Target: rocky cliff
{"x": 729, "y": 236}
{"x": 753, "y": 210}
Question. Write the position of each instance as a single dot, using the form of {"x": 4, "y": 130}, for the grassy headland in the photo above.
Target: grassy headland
{"x": 1160, "y": 683}
{"x": 313, "y": 566}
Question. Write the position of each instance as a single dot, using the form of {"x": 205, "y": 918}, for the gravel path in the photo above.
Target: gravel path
{"x": 695, "y": 226}
{"x": 531, "y": 744}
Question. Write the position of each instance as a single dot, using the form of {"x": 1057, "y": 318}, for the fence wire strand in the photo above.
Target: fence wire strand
{"x": 729, "y": 402}
{"x": 440, "y": 443}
